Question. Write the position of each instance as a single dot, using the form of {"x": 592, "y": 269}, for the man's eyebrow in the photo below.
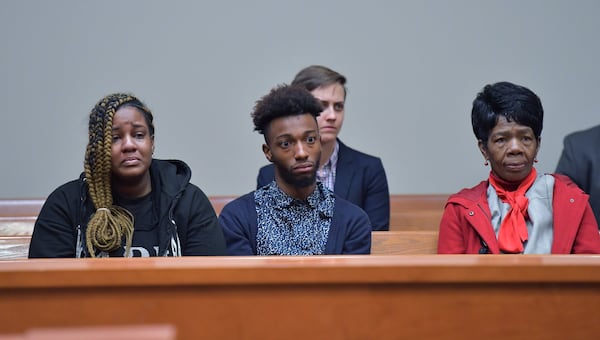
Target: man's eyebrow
{"x": 285, "y": 135}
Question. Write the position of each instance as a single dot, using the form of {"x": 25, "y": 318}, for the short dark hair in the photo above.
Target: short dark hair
{"x": 504, "y": 99}
{"x": 283, "y": 100}
{"x": 315, "y": 76}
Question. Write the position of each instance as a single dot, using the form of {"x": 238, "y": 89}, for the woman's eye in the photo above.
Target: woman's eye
{"x": 338, "y": 106}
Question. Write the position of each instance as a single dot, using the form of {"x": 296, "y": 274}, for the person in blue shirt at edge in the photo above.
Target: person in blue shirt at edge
{"x": 126, "y": 203}
{"x": 353, "y": 175}
{"x": 293, "y": 214}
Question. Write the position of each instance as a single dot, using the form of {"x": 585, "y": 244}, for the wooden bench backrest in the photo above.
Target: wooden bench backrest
{"x": 398, "y": 203}
{"x": 382, "y": 243}
{"x": 335, "y": 297}
{"x": 218, "y": 202}
{"x": 416, "y": 212}
{"x": 408, "y": 202}
{"x": 410, "y": 242}
{"x": 20, "y": 207}
{"x": 14, "y": 247}
{"x": 408, "y": 212}
{"x": 416, "y": 220}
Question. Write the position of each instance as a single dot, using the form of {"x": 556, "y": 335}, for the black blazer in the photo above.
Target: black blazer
{"x": 360, "y": 179}
{"x": 580, "y": 160}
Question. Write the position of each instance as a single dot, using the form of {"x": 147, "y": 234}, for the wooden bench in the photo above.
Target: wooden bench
{"x": 14, "y": 247}
{"x": 416, "y": 212}
{"x": 329, "y": 297}
{"x": 17, "y": 216}
{"x": 218, "y": 202}
{"x": 408, "y": 242}
{"x": 408, "y": 213}
{"x": 129, "y": 332}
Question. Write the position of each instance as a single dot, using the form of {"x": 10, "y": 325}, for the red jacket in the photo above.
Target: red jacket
{"x": 466, "y": 226}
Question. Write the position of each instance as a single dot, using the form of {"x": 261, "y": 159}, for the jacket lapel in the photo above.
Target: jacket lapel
{"x": 477, "y": 213}
{"x": 483, "y": 226}
{"x": 567, "y": 211}
{"x": 344, "y": 171}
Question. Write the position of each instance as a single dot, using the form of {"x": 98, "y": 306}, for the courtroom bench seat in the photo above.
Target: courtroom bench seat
{"x": 411, "y": 242}
{"x": 20, "y": 207}
{"x": 406, "y": 242}
{"x": 398, "y": 203}
{"x": 418, "y": 215}
{"x": 329, "y": 297}
{"x": 14, "y": 247}
{"x": 130, "y": 332}
{"x": 409, "y": 202}
{"x": 416, "y": 220}
{"x": 218, "y": 202}
{"x": 408, "y": 212}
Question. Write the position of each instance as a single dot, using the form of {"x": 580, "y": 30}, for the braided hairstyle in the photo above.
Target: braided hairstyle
{"x": 109, "y": 223}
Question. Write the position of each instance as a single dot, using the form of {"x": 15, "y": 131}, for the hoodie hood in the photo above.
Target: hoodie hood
{"x": 169, "y": 176}
{"x": 169, "y": 180}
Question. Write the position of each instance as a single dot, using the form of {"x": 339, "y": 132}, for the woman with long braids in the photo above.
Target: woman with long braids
{"x": 126, "y": 203}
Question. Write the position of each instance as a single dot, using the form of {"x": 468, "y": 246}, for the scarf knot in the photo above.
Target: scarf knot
{"x": 513, "y": 228}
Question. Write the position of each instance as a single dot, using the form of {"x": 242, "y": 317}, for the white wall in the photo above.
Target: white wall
{"x": 413, "y": 67}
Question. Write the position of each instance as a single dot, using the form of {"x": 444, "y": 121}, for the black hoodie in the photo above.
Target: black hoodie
{"x": 186, "y": 219}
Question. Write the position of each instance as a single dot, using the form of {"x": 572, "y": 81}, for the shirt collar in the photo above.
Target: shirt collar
{"x": 332, "y": 162}
{"x": 283, "y": 200}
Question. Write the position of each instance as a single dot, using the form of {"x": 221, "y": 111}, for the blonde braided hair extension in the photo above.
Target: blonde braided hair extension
{"x": 109, "y": 223}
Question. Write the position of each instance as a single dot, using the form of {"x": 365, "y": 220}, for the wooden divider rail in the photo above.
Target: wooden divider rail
{"x": 120, "y": 332}
{"x": 416, "y": 215}
{"x": 329, "y": 297}
{"x": 408, "y": 242}
{"x": 407, "y": 212}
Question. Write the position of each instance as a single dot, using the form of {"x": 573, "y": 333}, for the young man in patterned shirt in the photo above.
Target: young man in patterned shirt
{"x": 353, "y": 175}
{"x": 294, "y": 214}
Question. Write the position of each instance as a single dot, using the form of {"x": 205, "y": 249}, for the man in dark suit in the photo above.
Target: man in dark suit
{"x": 580, "y": 160}
{"x": 353, "y": 175}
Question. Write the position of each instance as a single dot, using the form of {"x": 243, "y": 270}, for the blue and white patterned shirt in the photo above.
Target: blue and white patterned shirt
{"x": 289, "y": 226}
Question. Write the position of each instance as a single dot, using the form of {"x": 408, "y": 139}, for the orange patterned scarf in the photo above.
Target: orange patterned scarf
{"x": 513, "y": 229}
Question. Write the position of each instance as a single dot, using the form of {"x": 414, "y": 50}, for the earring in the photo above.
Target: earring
{"x": 486, "y": 163}
{"x": 535, "y": 160}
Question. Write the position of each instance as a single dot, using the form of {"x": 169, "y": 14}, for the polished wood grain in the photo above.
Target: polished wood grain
{"x": 328, "y": 297}
{"x": 121, "y": 332}
{"x": 407, "y": 212}
{"x": 405, "y": 242}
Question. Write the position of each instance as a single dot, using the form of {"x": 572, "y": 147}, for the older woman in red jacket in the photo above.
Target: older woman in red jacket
{"x": 516, "y": 210}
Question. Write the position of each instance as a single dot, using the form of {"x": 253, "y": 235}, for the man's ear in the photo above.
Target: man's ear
{"x": 267, "y": 151}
